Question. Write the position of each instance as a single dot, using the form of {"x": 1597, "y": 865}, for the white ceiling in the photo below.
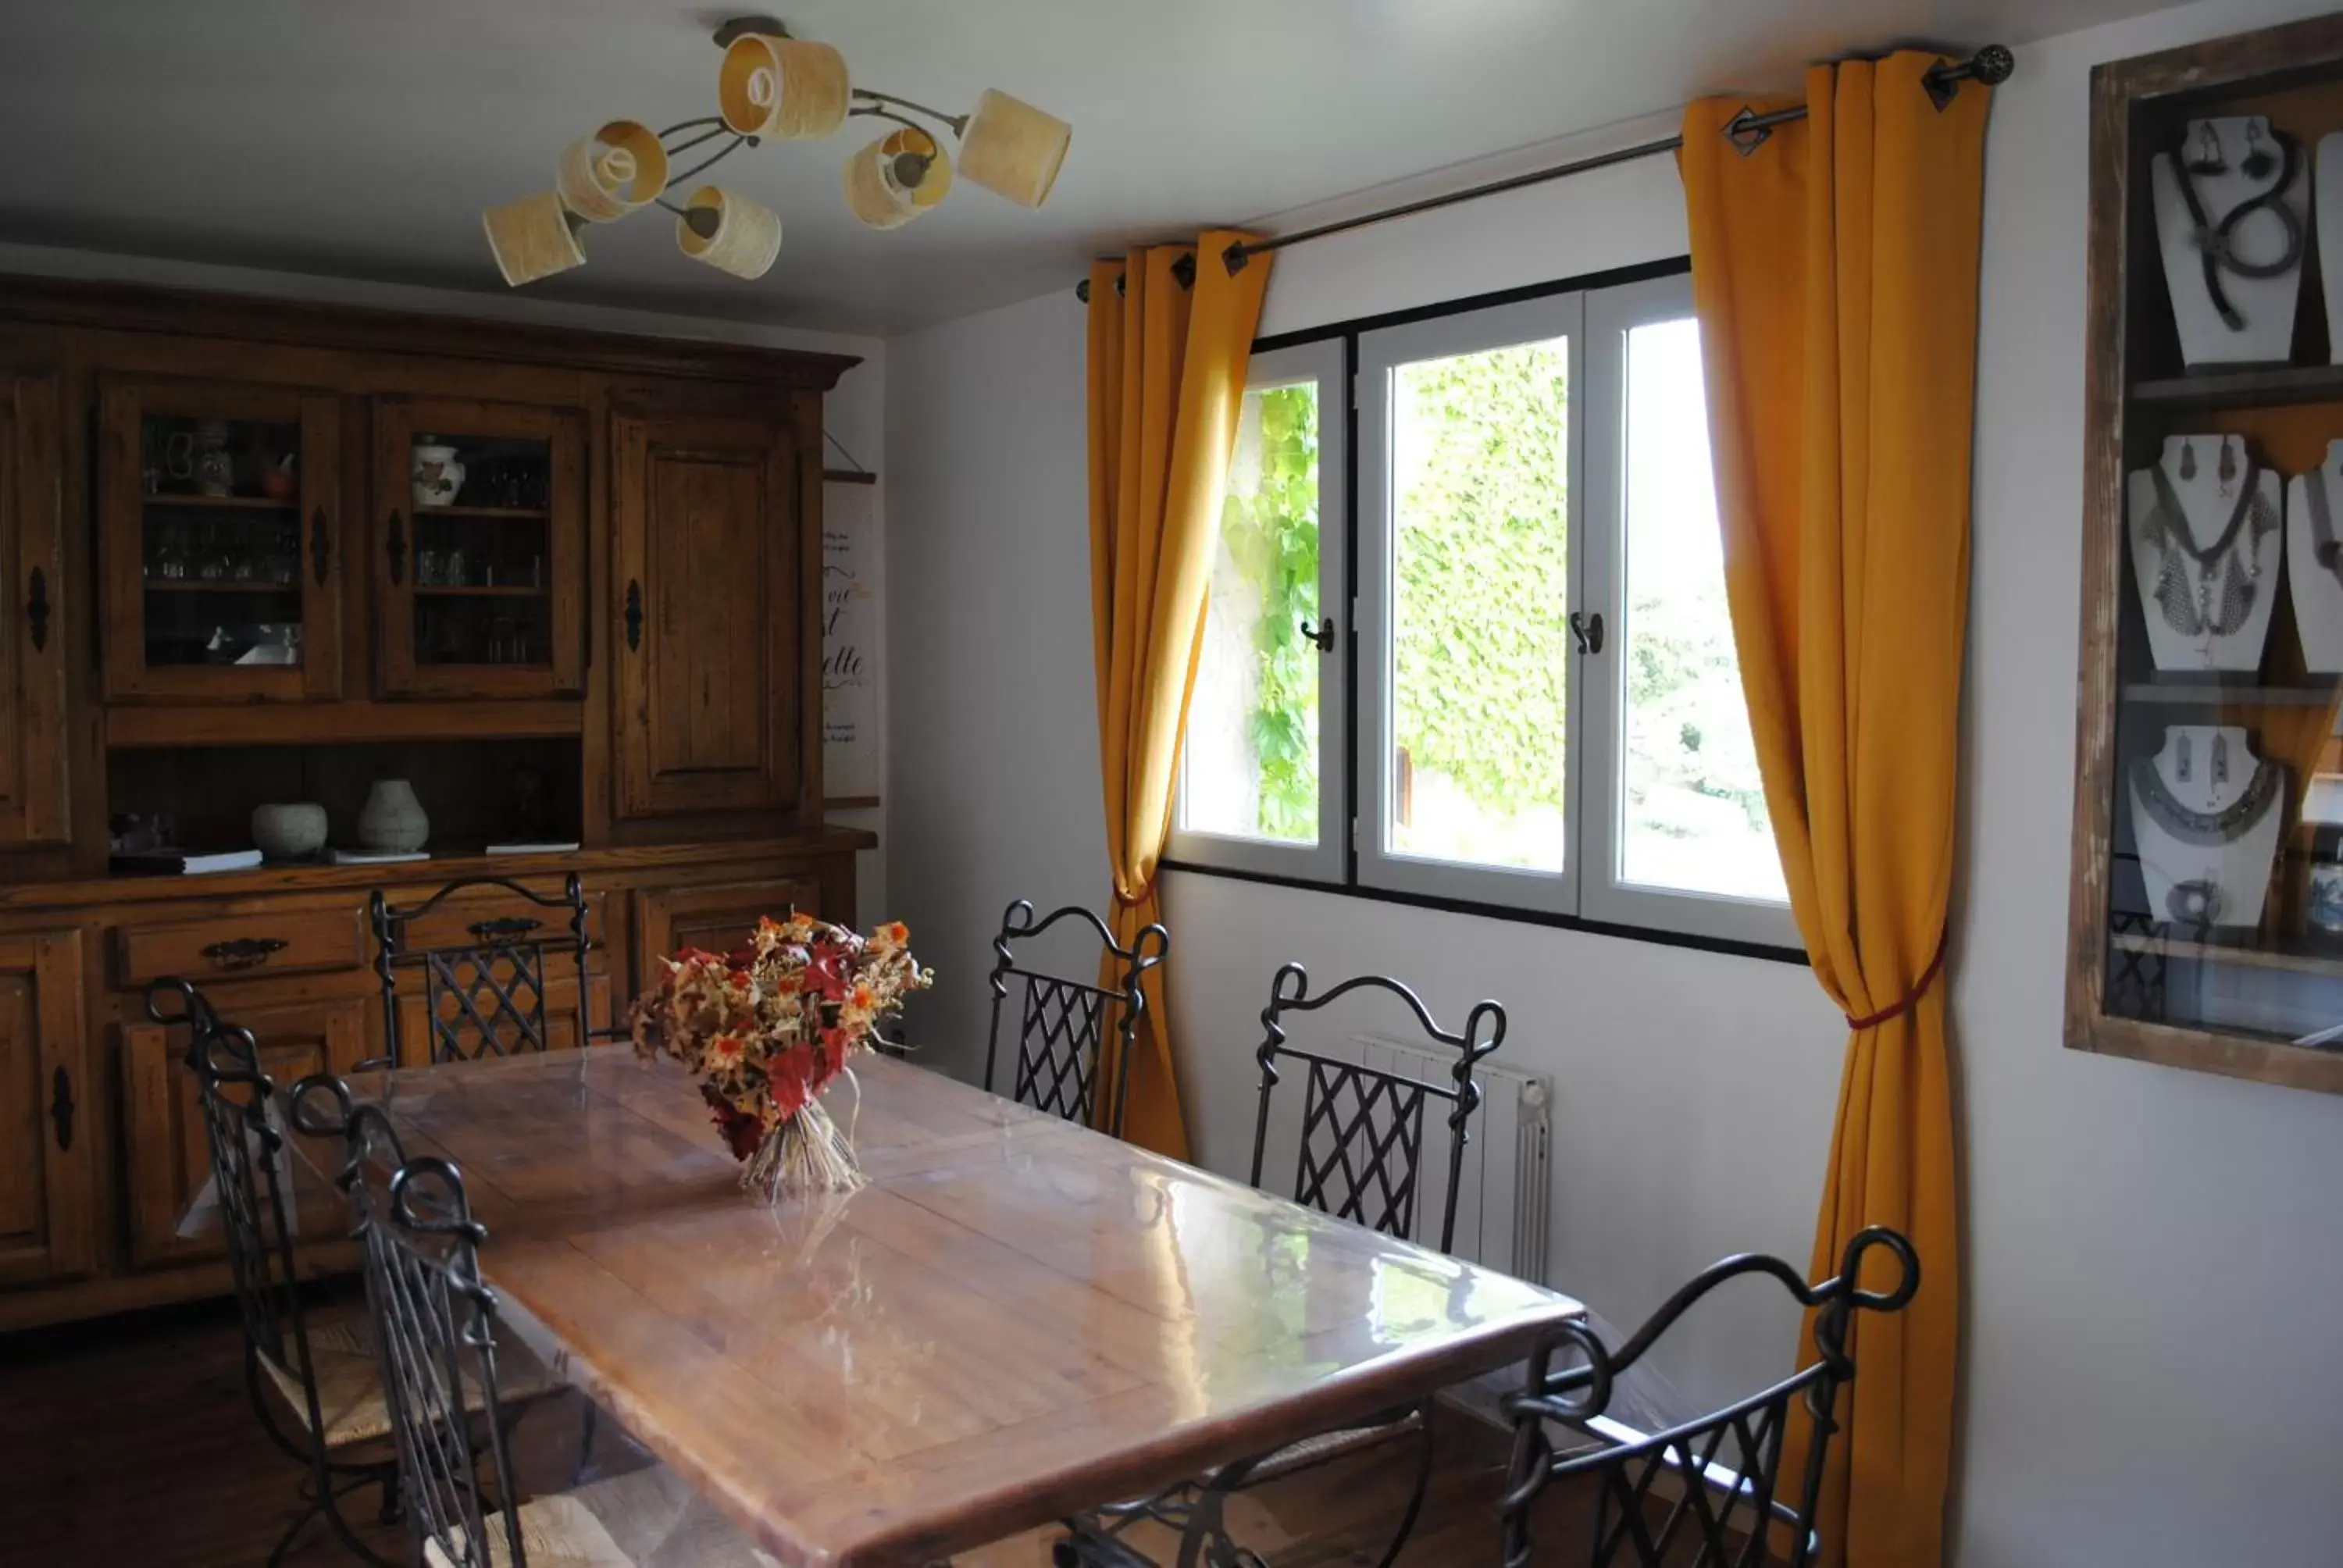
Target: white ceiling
{"x": 362, "y": 139}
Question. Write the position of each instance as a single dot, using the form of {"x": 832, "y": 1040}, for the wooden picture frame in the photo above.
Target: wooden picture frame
{"x": 2136, "y": 392}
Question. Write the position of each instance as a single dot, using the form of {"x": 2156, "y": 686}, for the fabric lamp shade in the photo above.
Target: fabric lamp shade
{"x": 729, "y": 232}
{"x": 896, "y": 178}
{"x": 611, "y": 173}
{"x": 786, "y": 87}
{"x": 533, "y": 237}
{"x": 1013, "y": 149}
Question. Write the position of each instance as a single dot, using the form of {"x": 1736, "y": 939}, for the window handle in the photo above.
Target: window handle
{"x": 1587, "y": 631}
{"x": 1324, "y": 635}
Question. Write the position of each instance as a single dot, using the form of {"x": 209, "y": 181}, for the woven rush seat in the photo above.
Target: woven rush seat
{"x": 349, "y": 1384}
{"x": 632, "y": 1520}
{"x": 1327, "y": 1446}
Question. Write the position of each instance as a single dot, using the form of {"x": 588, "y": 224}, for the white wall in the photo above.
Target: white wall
{"x": 2154, "y": 1274}
{"x": 2154, "y": 1373}
{"x": 855, "y": 411}
{"x": 992, "y": 736}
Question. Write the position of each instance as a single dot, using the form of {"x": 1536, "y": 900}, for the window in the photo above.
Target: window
{"x": 1466, "y": 455}
{"x": 1547, "y": 712}
{"x": 1255, "y": 793}
{"x": 1681, "y": 835}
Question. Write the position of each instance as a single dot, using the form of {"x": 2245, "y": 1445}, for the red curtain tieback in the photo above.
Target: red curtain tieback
{"x": 1910, "y": 999}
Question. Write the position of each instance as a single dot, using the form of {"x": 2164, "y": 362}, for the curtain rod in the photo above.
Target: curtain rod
{"x": 1746, "y": 131}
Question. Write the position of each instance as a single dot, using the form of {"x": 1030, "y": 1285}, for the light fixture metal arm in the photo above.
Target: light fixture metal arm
{"x": 725, "y": 151}
{"x": 958, "y": 123}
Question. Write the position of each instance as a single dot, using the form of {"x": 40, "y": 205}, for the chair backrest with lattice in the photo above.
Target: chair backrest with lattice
{"x": 434, "y": 1321}
{"x": 1726, "y": 1489}
{"x": 245, "y": 1140}
{"x": 485, "y": 997}
{"x": 1360, "y": 1151}
{"x": 1062, "y": 1024}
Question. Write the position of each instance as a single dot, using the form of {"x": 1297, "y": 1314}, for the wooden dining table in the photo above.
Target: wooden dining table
{"x": 1015, "y": 1319}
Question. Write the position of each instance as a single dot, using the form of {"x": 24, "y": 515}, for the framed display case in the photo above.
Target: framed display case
{"x": 219, "y": 530}
{"x": 482, "y": 509}
{"x": 2207, "y": 907}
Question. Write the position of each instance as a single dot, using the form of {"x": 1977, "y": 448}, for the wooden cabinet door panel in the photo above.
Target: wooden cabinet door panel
{"x": 543, "y": 614}
{"x": 309, "y": 521}
{"x": 49, "y": 1111}
{"x": 717, "y": 917}
{"x": 169, "y": 1157}
{"x": 706, "y": 594}
{"x": 33, "y": 751}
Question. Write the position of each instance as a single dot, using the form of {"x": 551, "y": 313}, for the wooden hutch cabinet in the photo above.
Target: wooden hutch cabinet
{"x": 563, "y": 583}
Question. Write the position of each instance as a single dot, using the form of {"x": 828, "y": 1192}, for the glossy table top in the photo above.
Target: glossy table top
{"x": 1016, "y": 1319}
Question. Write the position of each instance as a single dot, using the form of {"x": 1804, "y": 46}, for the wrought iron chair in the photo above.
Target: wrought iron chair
{"x": 1359, "y": 1157}
{"x": 321, "y": 1373}
{"x": 1062, "y": 1024}
{"x": 487, "y": 997}
{"x": 1728, "y": 1467}
{"x": 436, "y": 1322}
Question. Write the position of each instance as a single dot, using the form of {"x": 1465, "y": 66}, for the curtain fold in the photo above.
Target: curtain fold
{"x": 1835, "y": 270}
{"x": 1167, "y": 378}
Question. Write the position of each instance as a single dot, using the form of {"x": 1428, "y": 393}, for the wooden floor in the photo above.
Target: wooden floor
{"x": 130, "y": 1444}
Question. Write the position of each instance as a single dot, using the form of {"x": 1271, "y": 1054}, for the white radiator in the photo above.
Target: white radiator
{"x": 1507, "y": 1180}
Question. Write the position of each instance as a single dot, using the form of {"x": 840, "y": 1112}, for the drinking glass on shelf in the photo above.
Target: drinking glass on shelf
{"x": 212, "y": 556}
{"x": 171, "y": 553}
{"x": 457, "y": 574}
{"x": 426, "y": 567}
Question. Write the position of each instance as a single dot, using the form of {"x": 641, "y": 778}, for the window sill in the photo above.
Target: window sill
{"x": 1667, "y": 938}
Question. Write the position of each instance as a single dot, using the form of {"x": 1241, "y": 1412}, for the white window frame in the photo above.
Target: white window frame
{"x": 1380, "y": 353}
{"x": 1598, "y": 694}
{"x": 1321, "y": 362}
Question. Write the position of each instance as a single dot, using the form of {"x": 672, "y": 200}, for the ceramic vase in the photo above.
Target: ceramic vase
{"x": 215, "y": 468}
{"x": 393, "y": 822}
{"x": 289, "y": 832}
{"x": 436, "y": 477}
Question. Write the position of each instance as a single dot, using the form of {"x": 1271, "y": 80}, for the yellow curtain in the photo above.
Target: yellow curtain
{"x": 1167, "y": 376}
{"x": 1836, "y": 273}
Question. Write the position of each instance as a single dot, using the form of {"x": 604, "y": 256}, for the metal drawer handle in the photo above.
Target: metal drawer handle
{"x": 61, "y": 1108}
{"x": 242, "y": 952}
{"x": 397, "y": 549}
{"x": 503, "y": 929}
{"x": 634, "y": 616}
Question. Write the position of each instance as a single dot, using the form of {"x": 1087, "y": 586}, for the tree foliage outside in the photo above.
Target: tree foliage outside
{"x": 1480, "y": 560}
{"x": 1271, "y": 532}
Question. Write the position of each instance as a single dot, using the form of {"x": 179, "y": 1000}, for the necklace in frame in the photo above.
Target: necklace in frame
{"x": 2207, "y": 828}
{"x": 2220, "y": 597}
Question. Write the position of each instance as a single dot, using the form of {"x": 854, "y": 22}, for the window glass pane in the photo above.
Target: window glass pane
{"x": 1479, "y": 603}
{"x": 1694, "y": 813}
{"x": 1251, "y": 760}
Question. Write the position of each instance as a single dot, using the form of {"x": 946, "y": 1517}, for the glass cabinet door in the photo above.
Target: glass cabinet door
{"x": 481, "y": 560}
{"x": 222, "y": 559}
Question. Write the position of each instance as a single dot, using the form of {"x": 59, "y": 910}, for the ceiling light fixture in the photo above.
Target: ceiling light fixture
{"x": 772, "y": 85}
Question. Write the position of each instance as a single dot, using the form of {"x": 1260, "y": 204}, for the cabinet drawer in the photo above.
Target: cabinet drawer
{"x": 278, "y": 942}
{"x": 718, "y": 917}
{"x": 489, "y": 914}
